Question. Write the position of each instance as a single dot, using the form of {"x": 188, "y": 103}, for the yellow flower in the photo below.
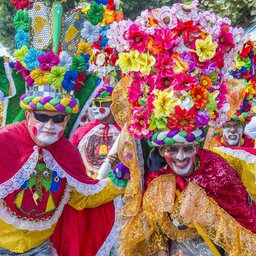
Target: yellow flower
{"x": 127, "y": 61}
{"x": 40, "y": 77}
{"x": 146, "y": 62}
{"x": 164, "y": 102}
{"x": 86, "y": 9}
{"x": 205, "y": 49}
{"x": 85, "y": 48}
{"x": 109, "y": 15}
{"x": 180, "y": 65}
{"x": 20, "y": 54}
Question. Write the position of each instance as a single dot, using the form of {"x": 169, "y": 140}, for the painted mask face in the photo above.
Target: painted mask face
{"x": 232, "y": 133}
{"x": 180, "y": 157}
{"x": 46, "y": 128}
{"x": 100, "y": 109}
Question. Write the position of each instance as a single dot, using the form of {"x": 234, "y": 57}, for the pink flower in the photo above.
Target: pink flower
{"x": 139, "y": 124}
{"x": 226, "y": 40}
{"x": 164, "y": 82}
{"x": 165, "y": 38}
{"x": 185, "y": 82}
{"x": 134, "y": 91}
{"x": 48, "y": 60}
{"x": 164, "y": 64}
{"x": 138, "y": 39}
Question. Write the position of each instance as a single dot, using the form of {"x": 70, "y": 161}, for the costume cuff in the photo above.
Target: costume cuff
{"x": 119, "y": 175}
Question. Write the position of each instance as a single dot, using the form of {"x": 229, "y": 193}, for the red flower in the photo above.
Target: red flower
{"x": 186, "y": 29}
{"x": 80, "y": 81}
{"x": 226, "y": 40}
{"x": 111, "y": 5}
{"x": 20, "y": 4}
{"x": 182, "y": 119}
{"x": 199, "y": 95}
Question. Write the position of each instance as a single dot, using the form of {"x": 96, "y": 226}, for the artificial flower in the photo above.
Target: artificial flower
{"x": 164, "y": 102}
{"x": 164, "y": 82}
{"x": 127, "y": 61}
{"x": 206, "y": 82}
{"x": 69, "y": 80}
{"x": 20, "y": 4}
{"x": 108, "y": 16}
{"x": 22, "y": 21}
{"x": 79, "y": 64}
{"x": 139, "y": 124}
{"x": 157, "y": 123}
{"x": 22, "y": 39}
{"x": 40, "y": 77}
{"x": 48, "y": 60}
{"x": 185, "y": 82}
{"x": 182, "y": 119}
{"x": 80, "y": 81}
{"x": 137, "y": 38}
{"x": 187, "y": 30}
{"x": 84, "y": 48}
{"x": 180, "y": 65}
{"x": 226, "y": 40}
{"x": 89, "y": 32}
{"x": 65, "y": 60}
{"x": 165, "y": 39}
{"x": 31, "y": 58}
{"x": 20, "y": 54}
{"x": 95, "y": 14}
{"x": 56, "y": 76}
{"x": 199, "y": 95}
{"x": 164, "y": 64}
{"x": 145, "y": 62}
{"x": 202, "y": 118}
{"x": 165, "y": 17}
{"x": 205, "y": 49}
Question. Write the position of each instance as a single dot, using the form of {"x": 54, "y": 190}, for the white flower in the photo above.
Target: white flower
{"x": 100, "y": 59}
{"x": 187, "y": 11}
{"x": 90, "y": 32}
{"x": 65, "y": 60}
{"x": 165, "y": 17}
{"x": 116, "y": 35}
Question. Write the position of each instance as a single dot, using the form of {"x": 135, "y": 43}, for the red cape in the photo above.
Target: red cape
{"x": 68, "y": 239}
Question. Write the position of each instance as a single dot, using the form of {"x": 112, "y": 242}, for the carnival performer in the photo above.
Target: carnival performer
{"x": 178, "y": 59}
{"x": 41, "y": 170}
{"x": 95, "y": 139}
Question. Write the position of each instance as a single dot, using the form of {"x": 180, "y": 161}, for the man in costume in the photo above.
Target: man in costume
{"x": 41, "y": 170}
{"x": 178, "y": 61}
{"x": 95, "y": 139}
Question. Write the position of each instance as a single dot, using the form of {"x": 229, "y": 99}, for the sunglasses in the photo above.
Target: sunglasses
{"x": 98, "y": 103}
{"x": 189, "y": 149}
{"x": 45, "y": 118}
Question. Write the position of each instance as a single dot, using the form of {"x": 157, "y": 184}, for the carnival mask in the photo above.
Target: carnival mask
{"x": 180, "y": 157}
{"x": 232, "y": 133}
{"x": 100, "y": 109}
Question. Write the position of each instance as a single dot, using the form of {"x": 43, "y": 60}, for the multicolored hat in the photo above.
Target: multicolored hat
{"x": 54, "y": 51}
{"x": 179, "y": 58}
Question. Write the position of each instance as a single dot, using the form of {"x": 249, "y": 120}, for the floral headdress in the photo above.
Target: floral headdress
{"x": 55, "y": 77}
{"x": 244, "y": 71}
{"x": 179, "y": 58}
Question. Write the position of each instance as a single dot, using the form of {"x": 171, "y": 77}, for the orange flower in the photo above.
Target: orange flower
{"x": 206, "y": 82}
{"x": 199, "y": 95}
{"x": 153, "y": 47}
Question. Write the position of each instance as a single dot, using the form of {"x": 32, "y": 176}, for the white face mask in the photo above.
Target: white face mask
{"x": 232, "y": 138}
{"x": 181, "y": 159}
{"x": 100, "y": 113}
{"x": 48, "y": 133}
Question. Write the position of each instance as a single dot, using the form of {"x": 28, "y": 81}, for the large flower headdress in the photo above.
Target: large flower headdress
{"x": 179, "y": 59}
{"x": 54, "y": 51}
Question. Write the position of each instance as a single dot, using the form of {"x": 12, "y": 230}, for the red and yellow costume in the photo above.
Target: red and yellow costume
{"x": 37, "y": 183}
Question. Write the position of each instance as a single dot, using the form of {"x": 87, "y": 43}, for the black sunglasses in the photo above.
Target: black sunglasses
{"x": 45, "y": 118}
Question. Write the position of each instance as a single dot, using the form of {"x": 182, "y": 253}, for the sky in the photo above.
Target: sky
{"x": 3, "y": 51}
